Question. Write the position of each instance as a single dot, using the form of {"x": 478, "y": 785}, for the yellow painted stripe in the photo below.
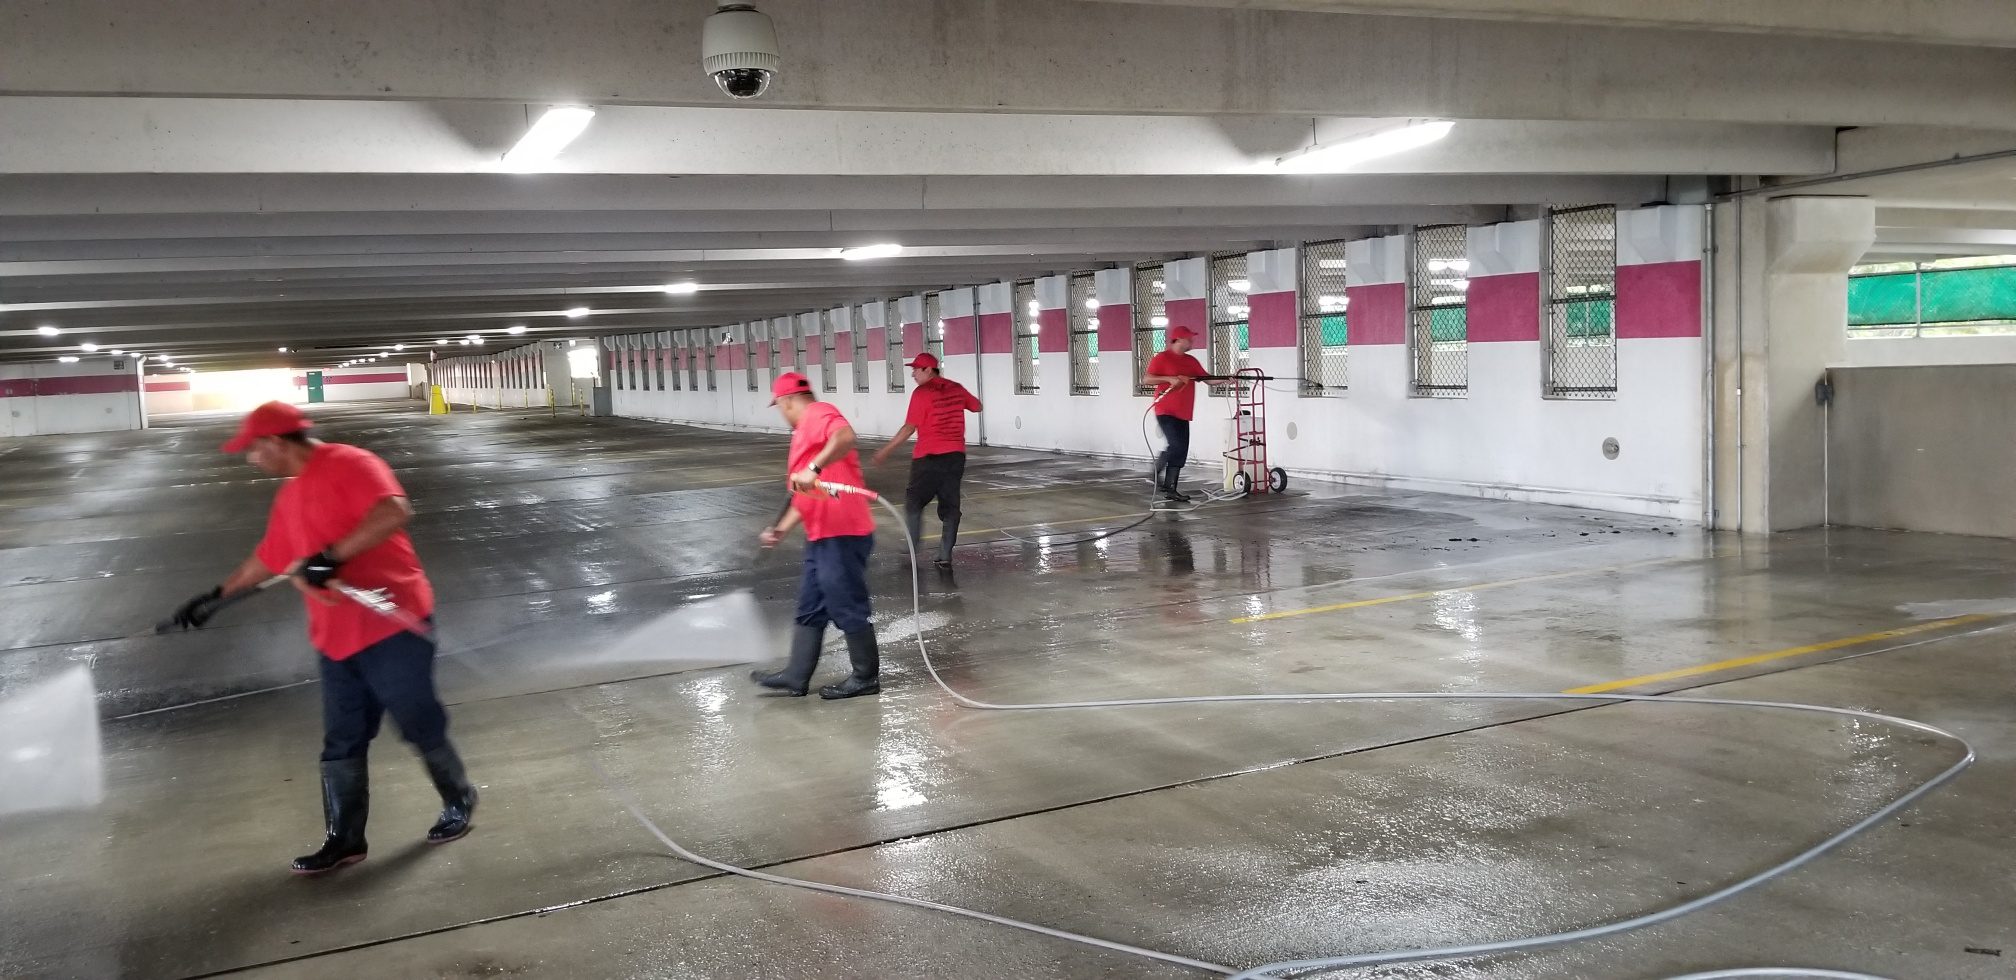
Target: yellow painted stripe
{"x": 1457, "y": 590}
{"x": 1765, "y": 658}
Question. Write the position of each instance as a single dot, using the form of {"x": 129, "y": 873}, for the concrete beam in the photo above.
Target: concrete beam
{"x": 113, "y": 135}
{"x": 988, "y": 56}
{"x": 271, "y": 194}
{"x": 1963, "y": 22}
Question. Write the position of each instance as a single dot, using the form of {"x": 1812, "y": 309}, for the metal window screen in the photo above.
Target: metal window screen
{"x": 934, "y": 326}
{"x": 1581, "y": 280}
{"x": 1230, "y": 311}
{"x": 859, "y": 338}
{"x": 707, "y": 354}
{"x": 829, "y": 375}
{"x": 633, "y": 357}
{"x": 801, "y": 343}
{"x": 749, "y": 345}
{"x": 1028, "y": 326}
{"x": 1322, "y": 304}
{"x": 893, "y": 316}
{"x": 660, "y": 353}
{"x": 1151, "y": 322}
{"x": 1439, "y": 329}
{"x": 1083, "y": 316}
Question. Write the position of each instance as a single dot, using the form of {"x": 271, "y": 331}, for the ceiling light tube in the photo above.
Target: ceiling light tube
{"x": 881, "y": 251}
{"x": 1345, "y": 154}
{"x": 681, "y": 288}
{"x": 548, "y": 136}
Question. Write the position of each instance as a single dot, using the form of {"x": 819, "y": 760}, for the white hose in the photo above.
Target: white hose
{"x": 1359, "y": 959}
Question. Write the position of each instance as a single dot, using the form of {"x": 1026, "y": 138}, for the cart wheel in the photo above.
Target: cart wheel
{"x": 1277, "y": 480}
{"x": 1241, "y": 484}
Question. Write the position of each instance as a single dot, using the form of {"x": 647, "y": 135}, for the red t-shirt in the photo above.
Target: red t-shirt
{"x": 1181, "y": 403}
{"x": 319, "y": 507}
{"x": 938, "y": 411}
{"x": 841, "y": 515}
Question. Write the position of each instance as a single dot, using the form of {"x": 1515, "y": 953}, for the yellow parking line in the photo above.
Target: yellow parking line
{"x": 1764, "y": 658}
{"x": 1479, "y": 587}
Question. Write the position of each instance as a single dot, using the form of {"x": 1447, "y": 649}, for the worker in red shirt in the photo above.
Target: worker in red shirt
{"x": 1174, "y": 374}
{"x": 839, "y": 537}
{"x": 341, "y": 515}
{"x": 937, "y": 418}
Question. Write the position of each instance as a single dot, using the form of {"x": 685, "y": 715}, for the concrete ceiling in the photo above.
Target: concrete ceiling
{"x": 218, "y": 178}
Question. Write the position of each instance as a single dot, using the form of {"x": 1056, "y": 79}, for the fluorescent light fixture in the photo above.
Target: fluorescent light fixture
{"x": 441, "y": 343}
{"x": 398, "y": 346}
{"x": 283, "y": 350}
{"x": 66, "y": 359}
{"x": 47, "y": 330}
{"x": 1158, "y": 320}
{"x": 472, "y": 338}
{"x": 1091, "y": 304}
{"x": 515, "y": 330}
{"x": 163, "y": 358}
{"x": 548, "y": 136}
{"x": 681, "y": 288}
{"x": 572, "y": 343}
{"x": 478, "y": 341}
{"x": 1345, "y": 154}
{"x": 464, "y": 341}
{"x": 88, "y": 347}
{"x": 1035, "y": 307}
{"x": 1241, "y": 285}
{"x": 187, "y": 370}
{"x": 118, "y": 353}
{"x": 881, "y": 251}
{"x": 578, "y": 312}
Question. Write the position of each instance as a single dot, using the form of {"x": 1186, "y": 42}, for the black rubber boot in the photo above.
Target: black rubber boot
{"x": 346, "y": 803}
{"x": 1171, "y": 475}
{"x": 797, "y": 673}
{"x": 948, "y": 538}
{"x": 914, "y": 520}
{"x": 866, "y": 657}
{"x": 458, "y": 795}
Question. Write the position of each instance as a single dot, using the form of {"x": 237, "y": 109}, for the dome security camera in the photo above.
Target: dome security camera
{"x": 738, "y": 46}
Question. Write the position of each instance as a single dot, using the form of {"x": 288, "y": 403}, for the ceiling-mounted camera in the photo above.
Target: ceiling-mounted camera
{"x": 738, "y": 46}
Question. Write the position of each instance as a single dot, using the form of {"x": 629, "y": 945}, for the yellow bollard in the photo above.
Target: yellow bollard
{"x": 436, "y": 403}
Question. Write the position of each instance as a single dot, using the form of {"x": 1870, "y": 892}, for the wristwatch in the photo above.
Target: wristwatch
{"x": 817, "y": 469}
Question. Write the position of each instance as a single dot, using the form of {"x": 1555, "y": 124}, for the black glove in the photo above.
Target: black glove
{"x": 197, "y": 611}
{"x": 318, "y": 568}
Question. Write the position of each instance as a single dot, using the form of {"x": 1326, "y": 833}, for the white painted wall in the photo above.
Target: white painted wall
{"x": 1504, "y": 440}
{"x": 96, "y": 394}
{"x": 1928, "y": 351}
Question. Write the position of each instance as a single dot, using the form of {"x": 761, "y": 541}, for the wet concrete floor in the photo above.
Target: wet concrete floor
{"x": 1235, "y": 834}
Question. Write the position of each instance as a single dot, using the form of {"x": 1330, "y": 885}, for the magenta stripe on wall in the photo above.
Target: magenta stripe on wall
{"x": 959, "y": 337}
{"x": 913, "y": 339}
{"x": 1378, "y": 314}
{"x": 1116, "y": 328}
{"x": 1659, "y": 300}
{"x": 1053, "y": 331}
{"x": 89, "y": 384}
{"x": 878, "y": 343}
{"x": 843, "y": 345}
{"x": 168, "y": 384}
{"x": 1271, "y": 322}
{"x": 1504, "y": 308}
{"x": 997, "y": 333}
{"x": 1192, "y": 313}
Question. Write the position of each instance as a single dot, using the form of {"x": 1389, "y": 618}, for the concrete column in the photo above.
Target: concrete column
{"x": 1782, "y": 289}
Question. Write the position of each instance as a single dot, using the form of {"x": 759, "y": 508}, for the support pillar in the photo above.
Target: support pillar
{"x": 1781, "y": 314}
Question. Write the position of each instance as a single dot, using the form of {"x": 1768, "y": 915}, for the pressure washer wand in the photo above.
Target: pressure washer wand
{"x": 220, "y": 604}
{"x": 380, "y": 601}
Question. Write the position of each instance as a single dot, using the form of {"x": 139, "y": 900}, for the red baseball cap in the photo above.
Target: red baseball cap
{"x": 1182, "y": 333}
{"x": 924, "y": 360}
{"x": 790, "y": 383}
{"x": 270, "y": 419}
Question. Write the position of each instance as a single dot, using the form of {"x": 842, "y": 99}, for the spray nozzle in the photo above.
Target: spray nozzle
{"x": 837, "y": 489}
